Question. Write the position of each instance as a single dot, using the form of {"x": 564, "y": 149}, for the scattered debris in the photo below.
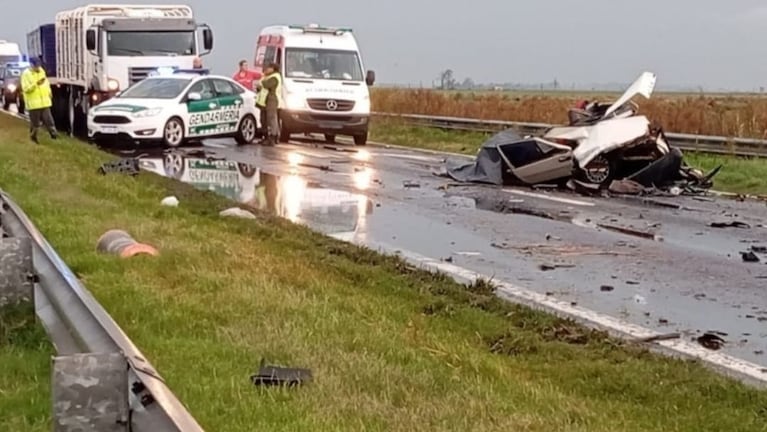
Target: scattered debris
{"x": 129, "y": 166}
{"x": 639, "y": 299}
{"x": 711, "y": 341}
{"x": 731, "y": 224}
{"x": 662, "y": 321}
{"x": 119, "y": 242}
{"x": 606, "y": 288}
{"x": 237, "y": 212}
{"x": 468, "y": 253}
{"x": 563, "y": 250}
{"x": 659, "y": 337}
{"x": 630, "y": 282}
{"x": 759, "y": 352}
{"x": 408, "y": 184}
{"x": 628, "y": 231}
{"x": 280, "y": 376}
{"x": 549, "y": 267}
{"x": 626, "y": 187}
{"x": 749, "y": 257}
{"x": 759, "y": 249}
{"x": 170, "y": 201}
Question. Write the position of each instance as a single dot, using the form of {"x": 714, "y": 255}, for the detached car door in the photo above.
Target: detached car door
{"x": 535, "y": 161}
{"x": 230, "y": 104}
{"x": 201, "y": 119}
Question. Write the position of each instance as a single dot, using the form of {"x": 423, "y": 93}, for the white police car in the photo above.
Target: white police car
{"x": 175, "y": 107}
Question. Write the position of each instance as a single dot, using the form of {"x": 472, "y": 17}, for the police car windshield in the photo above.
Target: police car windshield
{"x": 157, "y": 88}
{"x": 322, "y": 64}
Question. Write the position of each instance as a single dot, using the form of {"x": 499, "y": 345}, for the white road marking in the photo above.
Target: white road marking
{"x": 550, "y": 198}
{"x": 729, "y": 365}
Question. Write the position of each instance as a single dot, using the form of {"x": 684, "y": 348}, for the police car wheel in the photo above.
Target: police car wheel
{"x": 173, "y": 133}
{"x": 246, "y": 133}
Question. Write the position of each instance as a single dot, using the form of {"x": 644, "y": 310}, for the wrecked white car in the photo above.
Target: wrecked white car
{"x": 602, "y": 143}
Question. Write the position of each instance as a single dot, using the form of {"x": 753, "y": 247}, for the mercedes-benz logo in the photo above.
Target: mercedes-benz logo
{"x": 331, "y": 105}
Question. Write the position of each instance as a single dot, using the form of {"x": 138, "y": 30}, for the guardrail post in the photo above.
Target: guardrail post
{"x": 17, "y": 307}
{"x": 90, "y": 393}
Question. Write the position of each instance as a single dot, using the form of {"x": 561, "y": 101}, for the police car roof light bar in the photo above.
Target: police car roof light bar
{"x": 192, "y": 71}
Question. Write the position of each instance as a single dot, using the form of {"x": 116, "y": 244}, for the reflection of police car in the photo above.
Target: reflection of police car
{"x": 173, "y": 108}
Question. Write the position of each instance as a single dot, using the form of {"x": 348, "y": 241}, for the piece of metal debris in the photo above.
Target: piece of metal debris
{"x": 731, "y": 224}
{"x": 549, "y": 267}
{"x": 711, "y": 341}
{"x": 606, "y": 288}
{"x": 659, "y": 337}
{"x": 629, "y": 231}
{"x": 280, "y": 376}
{"x": 749, "y": 257}
{"x": 759, "y": 249}
{"x": 408, "y": 184}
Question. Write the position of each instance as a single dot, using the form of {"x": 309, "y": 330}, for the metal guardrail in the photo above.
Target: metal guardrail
{"x": 696, "y": 143}
{"x": 100, "y": 380}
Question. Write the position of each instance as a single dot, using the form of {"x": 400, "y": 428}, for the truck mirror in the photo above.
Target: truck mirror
{"x": 207, "y": 39}
{"x": 370, "y": 79}
{"x": 90, "y": 40}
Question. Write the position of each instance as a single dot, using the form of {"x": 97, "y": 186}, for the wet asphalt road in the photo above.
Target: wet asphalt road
{"x": 680, "y": 275}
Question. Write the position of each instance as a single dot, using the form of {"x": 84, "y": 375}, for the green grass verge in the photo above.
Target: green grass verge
{"x": 739, "y": 175}
{"x": 392, "y": 348}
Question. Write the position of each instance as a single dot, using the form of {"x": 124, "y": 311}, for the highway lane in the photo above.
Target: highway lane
{"x": 680, "y": 275}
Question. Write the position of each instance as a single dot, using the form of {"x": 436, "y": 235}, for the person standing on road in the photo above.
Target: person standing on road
{"x": 38, "y": 99}
{"x": 246, "y": 77}
{"x": 268, "y": 102}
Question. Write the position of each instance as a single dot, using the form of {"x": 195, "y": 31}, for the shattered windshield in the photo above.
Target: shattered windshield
{"x": 323, "y": 64}
{"x": 157, "y": 88}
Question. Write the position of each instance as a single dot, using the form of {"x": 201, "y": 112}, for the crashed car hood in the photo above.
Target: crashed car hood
{"x": 602, "y": 137}
{"x": 644, "y": 85}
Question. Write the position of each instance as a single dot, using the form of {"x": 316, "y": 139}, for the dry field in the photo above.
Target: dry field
{"x": 728, "y": 115}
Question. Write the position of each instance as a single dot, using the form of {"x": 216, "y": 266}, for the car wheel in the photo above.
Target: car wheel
{"x": 330, "y": 138}
{"x": 246, "y": 132}
{"x": 361, "y": 140}
{"x": 600, "y": 171}
{"x": 247, "y": 170}
{"x": 173, "y": 132}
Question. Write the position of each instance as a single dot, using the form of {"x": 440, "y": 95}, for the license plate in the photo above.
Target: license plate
{"x": 109, "y": 129}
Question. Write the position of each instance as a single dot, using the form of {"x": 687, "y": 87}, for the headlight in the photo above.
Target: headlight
{"x": 294, "y": 100}
{"x": 148, "y": 112}
{"x": 112, "y": 84}
{"x": 11, "y": 88}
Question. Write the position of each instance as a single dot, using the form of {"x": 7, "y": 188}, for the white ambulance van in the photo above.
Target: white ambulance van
{"x": 325, "y": 89}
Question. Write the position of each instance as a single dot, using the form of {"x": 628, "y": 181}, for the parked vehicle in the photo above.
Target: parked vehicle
{"x": 324, "y": 88}
{"x": 10, "y": 86}
{"x": 92, "y": 52}
{"x": 9, "y": 52}
{"x": 175, "y": 108}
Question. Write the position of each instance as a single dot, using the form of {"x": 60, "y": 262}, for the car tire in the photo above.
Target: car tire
{"x": 246, "y": 131}
{"x": 600, "y": 171}
{"x": 174, "y": 165}
{"x": 173, "y": 133}
{"x": 361, "y": 139}
{"x": 330, "y": 138}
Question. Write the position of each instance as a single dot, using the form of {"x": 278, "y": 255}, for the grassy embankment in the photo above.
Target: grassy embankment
{"x": 730, "y": 116}
{"x": 392, "y": 348}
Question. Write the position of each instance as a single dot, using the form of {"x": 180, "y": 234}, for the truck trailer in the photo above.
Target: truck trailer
{"x": 95, "y": 51}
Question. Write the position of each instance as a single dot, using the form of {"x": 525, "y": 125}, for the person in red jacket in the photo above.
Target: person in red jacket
{"x": 246, "y": 77}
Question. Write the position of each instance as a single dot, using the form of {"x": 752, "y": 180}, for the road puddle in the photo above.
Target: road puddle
{"x": 337, "y": 213}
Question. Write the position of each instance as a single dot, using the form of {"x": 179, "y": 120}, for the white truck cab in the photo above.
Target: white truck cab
{"x": 325, "y": 86}
{"x": 9, "y": 52}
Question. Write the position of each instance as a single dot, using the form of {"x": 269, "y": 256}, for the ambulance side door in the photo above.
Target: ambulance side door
{"x": 200, "y": 121}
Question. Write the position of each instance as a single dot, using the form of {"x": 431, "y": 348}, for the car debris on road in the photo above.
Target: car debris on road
{"x": 605, "y": 148}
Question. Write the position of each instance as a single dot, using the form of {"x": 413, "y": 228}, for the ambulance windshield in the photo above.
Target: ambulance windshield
{"x": 322, "y": 64}
{"x": 157, "y": 88}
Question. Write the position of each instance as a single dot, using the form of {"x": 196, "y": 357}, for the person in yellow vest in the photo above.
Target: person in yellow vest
{"x": 269, "y": 102}
{"x": 38, "y": 98}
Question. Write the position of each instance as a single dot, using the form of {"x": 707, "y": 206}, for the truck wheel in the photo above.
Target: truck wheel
{"x": 361, "y": 139}
{"x": 330, "y": 138}
{"x": 173, "y": 133}
{"x": 246, "y": 132}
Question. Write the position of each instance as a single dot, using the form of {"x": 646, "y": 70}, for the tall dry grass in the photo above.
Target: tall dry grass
{"x": 743, "y": 116}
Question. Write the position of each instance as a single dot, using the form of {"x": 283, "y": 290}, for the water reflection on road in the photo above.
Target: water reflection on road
{"x": 333, "y": 212}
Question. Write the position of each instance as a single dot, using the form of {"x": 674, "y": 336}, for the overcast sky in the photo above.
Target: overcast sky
{"x": 711, "y": 43}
